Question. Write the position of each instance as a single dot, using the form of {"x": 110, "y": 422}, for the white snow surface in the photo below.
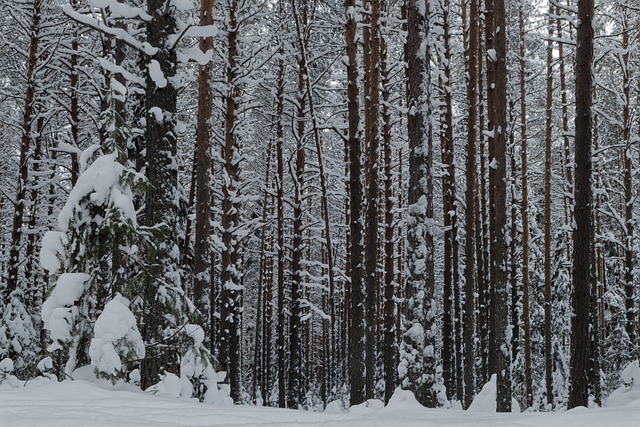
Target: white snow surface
{"x": 630, "y": 392}
{"x": 80, "y": 403}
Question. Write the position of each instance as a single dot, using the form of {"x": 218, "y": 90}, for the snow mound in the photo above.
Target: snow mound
{"x": 366, "y": 407}
{"x": 6, "y": 379}
{"x": 630, "y": 392}
{"x": 402, "y": 400}
{"x": 169, "y": 386}
{"x": 485, "y": 401}
{"x": 335, "y": 407}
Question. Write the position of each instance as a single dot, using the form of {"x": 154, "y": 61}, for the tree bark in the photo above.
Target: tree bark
{"x": 161, "y": 210}
{"x": 372, "y": 143}
{"x": 468, "y": 320}
{"x": 202, "y": 245}
{"x": 357, "y": 298}
{"x": 390, "y": 342}
{"x": 417, "y": 353}
{"x": 548, "y": 356}
{"x": 28, "y": 115}
{"x": 526, "y": 321}
{"x": 497, "y": 183}
{"x": 231, "y": 298}
{"x": 583, "y": 235}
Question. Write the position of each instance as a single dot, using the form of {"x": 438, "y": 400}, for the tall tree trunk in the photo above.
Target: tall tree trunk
{"x": 470, "y": 203}
{"x": 161, "y": 209}
{"x": 484, "y": 270}
{"x": 357, "y": 298}
{"x": 548, "y": 356}
{"x": 74, "y": 113}
{"x": 583, "y": 233}
{"x": 25, "y": 143}
{"x": 629, "y": 286}
{"x": 417, "y": 364}
{"x": 390, "y": 343}
{"x": 231, "y": 298}
{"x": 498, "y": 193}
{"x": 449, "y": 329}
{"x": 202, "y": 245}
{"x": 295, "y": 353}
{"x": 324, "y": 197}
{"x": 526, "y": 321}
{"x": 372, "y": 143}
{"x": 258, "y": 354}
{"x": 568, "y": 164}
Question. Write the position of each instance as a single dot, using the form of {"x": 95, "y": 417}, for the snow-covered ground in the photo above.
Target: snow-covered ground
{"x": 80, "y": 403}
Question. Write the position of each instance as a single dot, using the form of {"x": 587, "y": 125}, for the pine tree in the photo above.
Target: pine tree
{"x": 417, "y": 352}
{"x": 583, "y": 235}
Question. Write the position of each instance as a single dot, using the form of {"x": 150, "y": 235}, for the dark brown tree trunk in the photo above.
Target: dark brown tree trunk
{"x": 161, "y": 210}
{"x": 372, "y": 143}
{"x": 324, "y": 197}
{"x": 74, "y": 113}
{"x": 28, "y": 114}
{"x": 484, "y": 270}
{"x": 497, "y": 209}
{"x": 470, "y": 202}
{"x": 357, "y": 298}
{"x": 201, "y": 247}
{"x": 268, "y": 319}
{"x": 449, "y": 328}
{"x": 390, "y": 342}
{"x": 547, "y": 216}
{"x": 231, "y": 298}
{"x": 294, "y": 396}
{"x": 629, "y": 286}
{"x": 258, "y": 355}
{"x": 583, "y": 233}
{"x": 417, "y": 353}
{"x": 568, "y": 164}
{"x": 280, "y": 228}
{"x": 526, "y": 322}
{"x": 31, "y": 278}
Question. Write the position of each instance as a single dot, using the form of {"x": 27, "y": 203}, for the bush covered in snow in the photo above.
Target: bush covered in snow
{"x": 630, "y": 390}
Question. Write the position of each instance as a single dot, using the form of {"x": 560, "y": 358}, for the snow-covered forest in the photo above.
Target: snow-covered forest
{"x": 310, "y": 203}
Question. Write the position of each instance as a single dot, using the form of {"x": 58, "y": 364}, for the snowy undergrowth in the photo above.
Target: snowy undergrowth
{"x": 630, "y": 391}
{"x": 99, "y": 403}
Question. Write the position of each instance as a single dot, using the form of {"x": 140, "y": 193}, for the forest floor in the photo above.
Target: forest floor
{"x": 79, "y": 403}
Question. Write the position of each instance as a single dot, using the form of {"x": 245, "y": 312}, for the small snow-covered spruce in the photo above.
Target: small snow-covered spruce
{"x": 17, "y": 334}
{"x": 97, "y": 244}
{"x": 117, "y": 342}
